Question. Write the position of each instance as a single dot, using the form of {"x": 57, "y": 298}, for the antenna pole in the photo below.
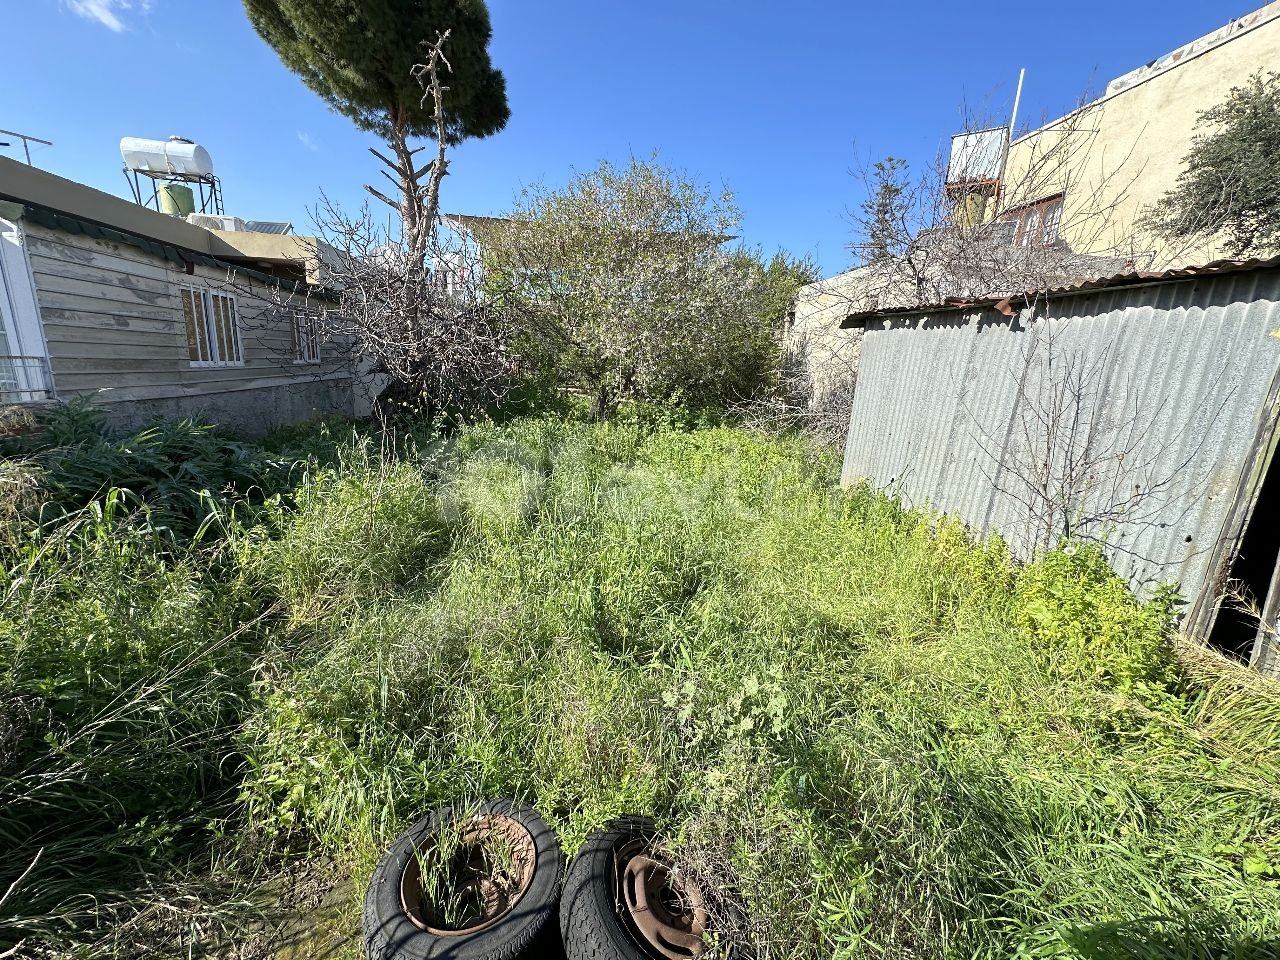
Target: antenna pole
{"x": 1004, "y": 158}
{"x": 1017, "y": 99}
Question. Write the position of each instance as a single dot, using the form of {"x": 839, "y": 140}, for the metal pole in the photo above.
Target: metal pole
{"x": 1004, "y": 158}
{"x": 26, "y": 142}
{"x": 1017, "y": 99}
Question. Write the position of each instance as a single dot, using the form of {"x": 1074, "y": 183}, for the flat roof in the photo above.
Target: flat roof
{"x": 26, "y": 184}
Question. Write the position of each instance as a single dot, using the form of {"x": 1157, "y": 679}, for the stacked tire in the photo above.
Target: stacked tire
{"x": 620, "y": 899}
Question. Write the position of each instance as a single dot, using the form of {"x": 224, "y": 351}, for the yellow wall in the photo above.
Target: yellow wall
{"x": 1119, "y": 155}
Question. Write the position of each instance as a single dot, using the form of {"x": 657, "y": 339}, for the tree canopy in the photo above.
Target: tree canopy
{"x": 1230, "y": 187}
{"x": 883, "y": 211}
{"x": 626, "y": 286}
{"x": 357, "y": 55}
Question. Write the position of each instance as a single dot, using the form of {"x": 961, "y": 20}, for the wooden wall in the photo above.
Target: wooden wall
{"x": 112, "y": 319}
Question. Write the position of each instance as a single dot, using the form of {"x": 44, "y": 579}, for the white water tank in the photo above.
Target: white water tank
{"x": 175, "y": 155}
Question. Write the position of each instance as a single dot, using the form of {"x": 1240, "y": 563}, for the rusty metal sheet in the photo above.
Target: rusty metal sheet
{"x": 1009, "y": 305}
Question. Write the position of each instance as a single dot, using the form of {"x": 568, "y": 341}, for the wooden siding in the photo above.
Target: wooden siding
{"x": 113, "y": 321}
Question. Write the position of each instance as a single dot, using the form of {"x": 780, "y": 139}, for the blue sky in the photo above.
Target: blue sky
{"x": 774, "y": 100}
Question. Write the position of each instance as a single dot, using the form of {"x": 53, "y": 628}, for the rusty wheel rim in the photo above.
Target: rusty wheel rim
{"x": 482, "y": 887}
{"x": 665, "y": 907}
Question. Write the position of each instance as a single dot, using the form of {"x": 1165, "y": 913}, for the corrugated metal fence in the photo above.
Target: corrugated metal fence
{"x": 1139, "y": 416}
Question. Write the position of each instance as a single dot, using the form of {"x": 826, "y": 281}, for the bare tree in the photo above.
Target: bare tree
{"x": 419, "y": 203}
{"x": 403, "y": 302}
{"x": 798, "y": 404}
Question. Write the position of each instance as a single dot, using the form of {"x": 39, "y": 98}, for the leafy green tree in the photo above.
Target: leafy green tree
{"x": 627, "y": 289}
{"x": 1230, "y": 186}
{"x": 783, "y": 278}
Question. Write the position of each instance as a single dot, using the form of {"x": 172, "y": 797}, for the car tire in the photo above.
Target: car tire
{"x": 400, "y": 923}
{"x": 609, "y": 909}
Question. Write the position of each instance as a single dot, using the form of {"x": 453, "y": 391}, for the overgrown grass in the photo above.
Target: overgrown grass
{"x": 872, "y": 736}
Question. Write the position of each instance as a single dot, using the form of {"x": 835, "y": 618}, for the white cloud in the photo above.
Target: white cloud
{"x": 108, "y": 12}
{"x": 305, "y": 139}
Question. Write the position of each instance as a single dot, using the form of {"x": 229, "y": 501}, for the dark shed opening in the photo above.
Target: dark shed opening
{"x": 1252, "y": 575}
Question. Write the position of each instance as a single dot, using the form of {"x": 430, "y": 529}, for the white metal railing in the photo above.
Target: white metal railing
{"x": 25, "y": 379}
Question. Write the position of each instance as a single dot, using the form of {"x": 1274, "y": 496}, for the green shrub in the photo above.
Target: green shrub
{"x": 174, "y": 467}
{"x": 1087, "y": 624}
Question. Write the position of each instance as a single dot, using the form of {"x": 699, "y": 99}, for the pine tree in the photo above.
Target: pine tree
{"x": 357, "y": 55}
{"x": 882, "y": 212}
{"x": 388, "y": 64}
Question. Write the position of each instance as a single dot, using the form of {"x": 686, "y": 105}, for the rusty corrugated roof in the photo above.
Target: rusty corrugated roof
{"x": 1009, "y": 305}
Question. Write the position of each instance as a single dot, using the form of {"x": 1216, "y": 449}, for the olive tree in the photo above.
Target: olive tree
{"x": 1229, "y": 187}
{"x": 627, "y": 290}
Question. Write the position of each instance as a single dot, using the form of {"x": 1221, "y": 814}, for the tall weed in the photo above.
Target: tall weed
{"x": 871, "y": 735}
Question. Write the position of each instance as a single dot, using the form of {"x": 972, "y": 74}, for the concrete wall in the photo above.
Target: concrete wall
{"x": 307, "y": 256}
{"x": 814, "y": 337}
{"x": 1119, "y": 155}
{"x": 251, "y": 412}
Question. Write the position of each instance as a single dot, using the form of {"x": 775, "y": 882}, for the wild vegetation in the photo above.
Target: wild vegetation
{"x": 869, "y": 734}
{"x": 625, "y": 289}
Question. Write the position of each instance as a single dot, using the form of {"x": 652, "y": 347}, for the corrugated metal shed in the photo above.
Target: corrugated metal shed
{"x": 1140, "y": 410}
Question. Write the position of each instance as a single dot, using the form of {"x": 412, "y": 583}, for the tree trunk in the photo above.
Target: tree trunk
{"x": 601, "y": 407}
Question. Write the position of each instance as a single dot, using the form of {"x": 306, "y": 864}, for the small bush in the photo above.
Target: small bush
{"x": 1087, "y": 624}
{"x": 174, "y": 467}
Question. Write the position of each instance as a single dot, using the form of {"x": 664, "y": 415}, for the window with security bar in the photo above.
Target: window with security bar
{"x": 213, "y": 328}
{"x": 306, "y": 336}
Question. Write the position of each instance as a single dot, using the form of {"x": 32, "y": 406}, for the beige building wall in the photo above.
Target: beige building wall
{"x": 1115, "y": 157}
{"x": 1111, "y": 160}
{"x": 310, "y": 256}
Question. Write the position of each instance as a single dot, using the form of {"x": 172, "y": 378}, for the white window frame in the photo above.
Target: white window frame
{"x": 307, "y": 347}
{"x": 20, "y": 316}
{"x": 212, "y": 355}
